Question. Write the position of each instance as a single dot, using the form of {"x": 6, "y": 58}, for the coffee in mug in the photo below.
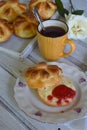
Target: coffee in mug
{"x": 53, "y": 31}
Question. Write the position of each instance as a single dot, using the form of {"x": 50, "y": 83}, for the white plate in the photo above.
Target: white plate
{"x": 28, "y": 101}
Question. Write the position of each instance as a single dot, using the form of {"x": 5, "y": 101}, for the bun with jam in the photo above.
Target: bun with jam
{"x": 43, "y": 75}
{"x": 52, "y": 87}
{"x": 62, "y": 94}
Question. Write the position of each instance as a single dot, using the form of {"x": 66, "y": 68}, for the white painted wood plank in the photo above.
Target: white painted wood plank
{"x": 81, "y": 52}
{"x": 15, "y": 44}
{"x": 8, "y": 122}
{"x": 80, "y": 56}
{"x": 16, "y": 66}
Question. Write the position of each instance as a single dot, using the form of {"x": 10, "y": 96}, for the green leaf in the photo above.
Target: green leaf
{"x": 78, "y": 12}
{"x": 66, "y": 11}
{"x": 62, "y": 11}
{"x": 59, "y": 4}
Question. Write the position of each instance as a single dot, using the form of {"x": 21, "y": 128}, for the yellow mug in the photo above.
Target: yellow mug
{"x": 53, "y": 40}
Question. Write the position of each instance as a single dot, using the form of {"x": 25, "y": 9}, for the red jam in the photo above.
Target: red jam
{"x": 62, "y": 92}
{"x": 50, "y": 97}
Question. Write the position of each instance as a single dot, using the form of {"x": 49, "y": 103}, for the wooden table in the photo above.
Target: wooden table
{"x": 11, "y": 117}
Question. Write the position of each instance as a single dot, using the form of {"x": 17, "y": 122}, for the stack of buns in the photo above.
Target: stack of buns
{"x": 9, "y": 10}
{"x": 52, "y": 87}
{"x": 24, "y": 24}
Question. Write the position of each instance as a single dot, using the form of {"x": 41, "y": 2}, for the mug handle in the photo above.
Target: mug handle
{"x": 73, "y": 47}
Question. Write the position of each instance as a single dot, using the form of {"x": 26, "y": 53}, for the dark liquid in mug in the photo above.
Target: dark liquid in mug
{"x": 53, "y": 31}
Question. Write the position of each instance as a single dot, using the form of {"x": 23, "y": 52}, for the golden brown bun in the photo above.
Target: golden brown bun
{"x": 47, "y": 97}
{"x": 46, "y": 8}
{"x": 6, "y": 30}
{"x": 25, "y": 26}
{"x": 9, "y": 10}
{"x": 43, "y": 75}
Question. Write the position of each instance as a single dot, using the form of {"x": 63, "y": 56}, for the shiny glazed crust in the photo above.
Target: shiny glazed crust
{"x": 10, "y": 9}
{"x": 43, "y": 75}
{"x": 46, "y": 8}
{"x": 44, "y": 92}
{"x": 6, "y": 30}
{"x": 25, "y": 26}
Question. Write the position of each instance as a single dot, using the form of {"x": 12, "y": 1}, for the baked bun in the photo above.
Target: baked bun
{"x": 6, "y": 30}
{"x": 43, "y": 75}
{"x": 61, "y": 95}
{"x": 10, "y": 9}
{"x": 46, "y": 8}
{"x": 25, "y": 26}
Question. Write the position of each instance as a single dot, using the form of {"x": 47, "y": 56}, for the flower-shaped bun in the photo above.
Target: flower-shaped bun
{"x": 43, "y": 75}
{"x": 46, "y": 8}
{"x": 6, "y": 30}
{"x": 10, "y": 9}
{"x": 25, "y": 26}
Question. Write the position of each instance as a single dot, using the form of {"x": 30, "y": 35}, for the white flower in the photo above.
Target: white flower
{"x": 77, "y": 26}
